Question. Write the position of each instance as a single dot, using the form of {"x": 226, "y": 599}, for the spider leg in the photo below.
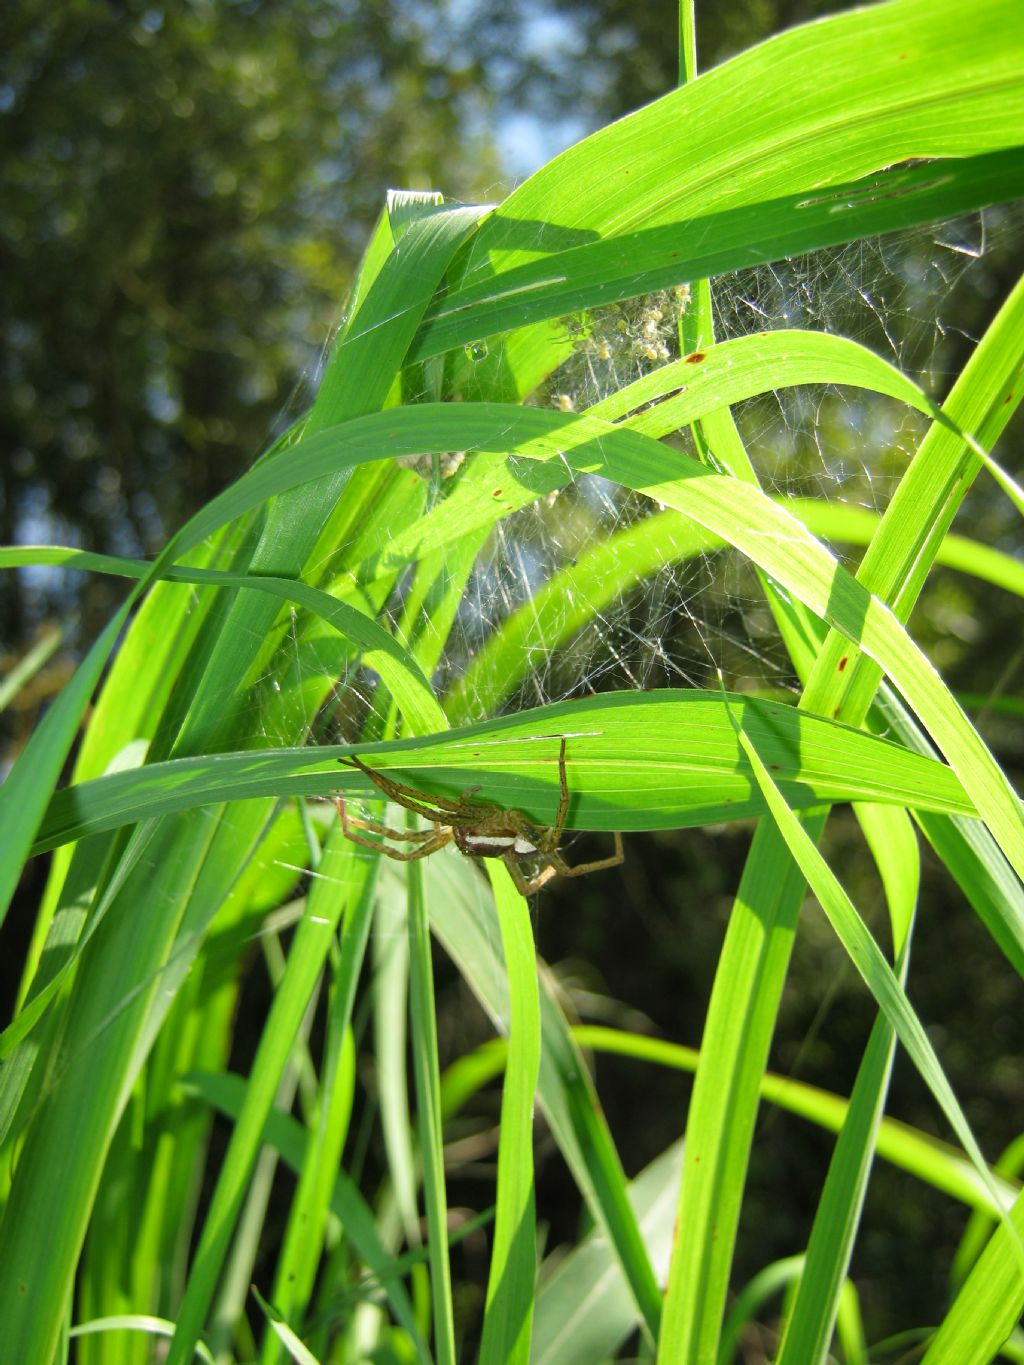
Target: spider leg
{"x": 411, "y": 855}
{"x": 562, "y": 868}
{"x": 434, "y": 840}
{"x": 409, "y": 836}
{"x": 430, "y": 807}
{"x": 548, "y": 842}
{"x": 563, "y": 802}
{"x": 527, "y": 886}
{"x": 397, "y": 791}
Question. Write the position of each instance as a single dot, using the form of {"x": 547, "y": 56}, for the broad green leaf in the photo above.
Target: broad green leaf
{"x": 711, "y": 242}
{"x": 584, "y": 1309}
{"x": 662, "y": 759}
{"x": 937, "y": 90}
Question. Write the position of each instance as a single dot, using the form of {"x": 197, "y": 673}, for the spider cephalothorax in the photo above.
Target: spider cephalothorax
{"x": 476, "y": 828}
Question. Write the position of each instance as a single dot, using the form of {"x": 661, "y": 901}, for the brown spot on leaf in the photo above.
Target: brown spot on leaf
{"x": 843, "y": 662}
{"x": 695, "y": 358}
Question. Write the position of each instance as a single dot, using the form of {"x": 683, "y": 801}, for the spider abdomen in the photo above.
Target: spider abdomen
{"x": 478, "y": 843}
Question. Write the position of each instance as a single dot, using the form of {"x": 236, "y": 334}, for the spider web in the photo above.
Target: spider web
{"x": 905, "y": 297}
{"x": 920, "y": 299}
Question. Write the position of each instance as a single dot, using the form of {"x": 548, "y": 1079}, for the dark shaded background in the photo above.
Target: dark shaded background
{"x": 187, "y": 189}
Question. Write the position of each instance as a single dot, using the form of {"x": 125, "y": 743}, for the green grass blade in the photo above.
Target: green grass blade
{"x": 305, "y": 962}
{"x": 934, "y": 1162}
{"x": 644, "y": 261}
{"x": 772, "y": 1280}
{"x": 134, "y": 1322}
{"x": 584, "y": 1309}
{"x": 390, "y": 1007}
{"x": 988, "y": 1306}
{"x": 27, "y": 667}
{"x": 28, "y": 785}
{"x": 967, "y": 849}
{"x": 423, "y": 1031}
{"x": 731, "y": 371}
{"x": 286, "y": 1135}
{"x": 463, "y": 919}
{"x": 508, "y": 1315}
{"x": 375, "y": 341}
{"x": 284, "y": 1334}
{"x": 307, "y": 1219}
{"x": 815, "y": 1306}
{"x": 871, "y": 964}
{"x": 662, "y": 759}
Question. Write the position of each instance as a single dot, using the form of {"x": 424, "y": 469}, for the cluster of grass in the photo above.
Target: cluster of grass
{"x": 333, "y": 567}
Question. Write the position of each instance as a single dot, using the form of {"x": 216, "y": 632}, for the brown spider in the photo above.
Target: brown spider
{"x": 476, "y": 829}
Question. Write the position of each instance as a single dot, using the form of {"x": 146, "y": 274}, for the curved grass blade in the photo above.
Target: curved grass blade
{"x": 664, "y": 759}
{"x": 930, "y": 1160}
{"x": 381, "y": 651}
{"x": 684, "y": 391}
{"x": 565, "y": 602}
{"x": 135, "y": 1322}
{"x": 872, "y": 966}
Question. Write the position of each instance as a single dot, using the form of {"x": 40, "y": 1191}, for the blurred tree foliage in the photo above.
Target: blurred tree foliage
{"x": 599, "y": 59}
{"x": 187, "y": 187}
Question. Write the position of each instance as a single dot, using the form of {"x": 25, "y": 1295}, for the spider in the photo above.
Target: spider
{"x": 476, "y": 829}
